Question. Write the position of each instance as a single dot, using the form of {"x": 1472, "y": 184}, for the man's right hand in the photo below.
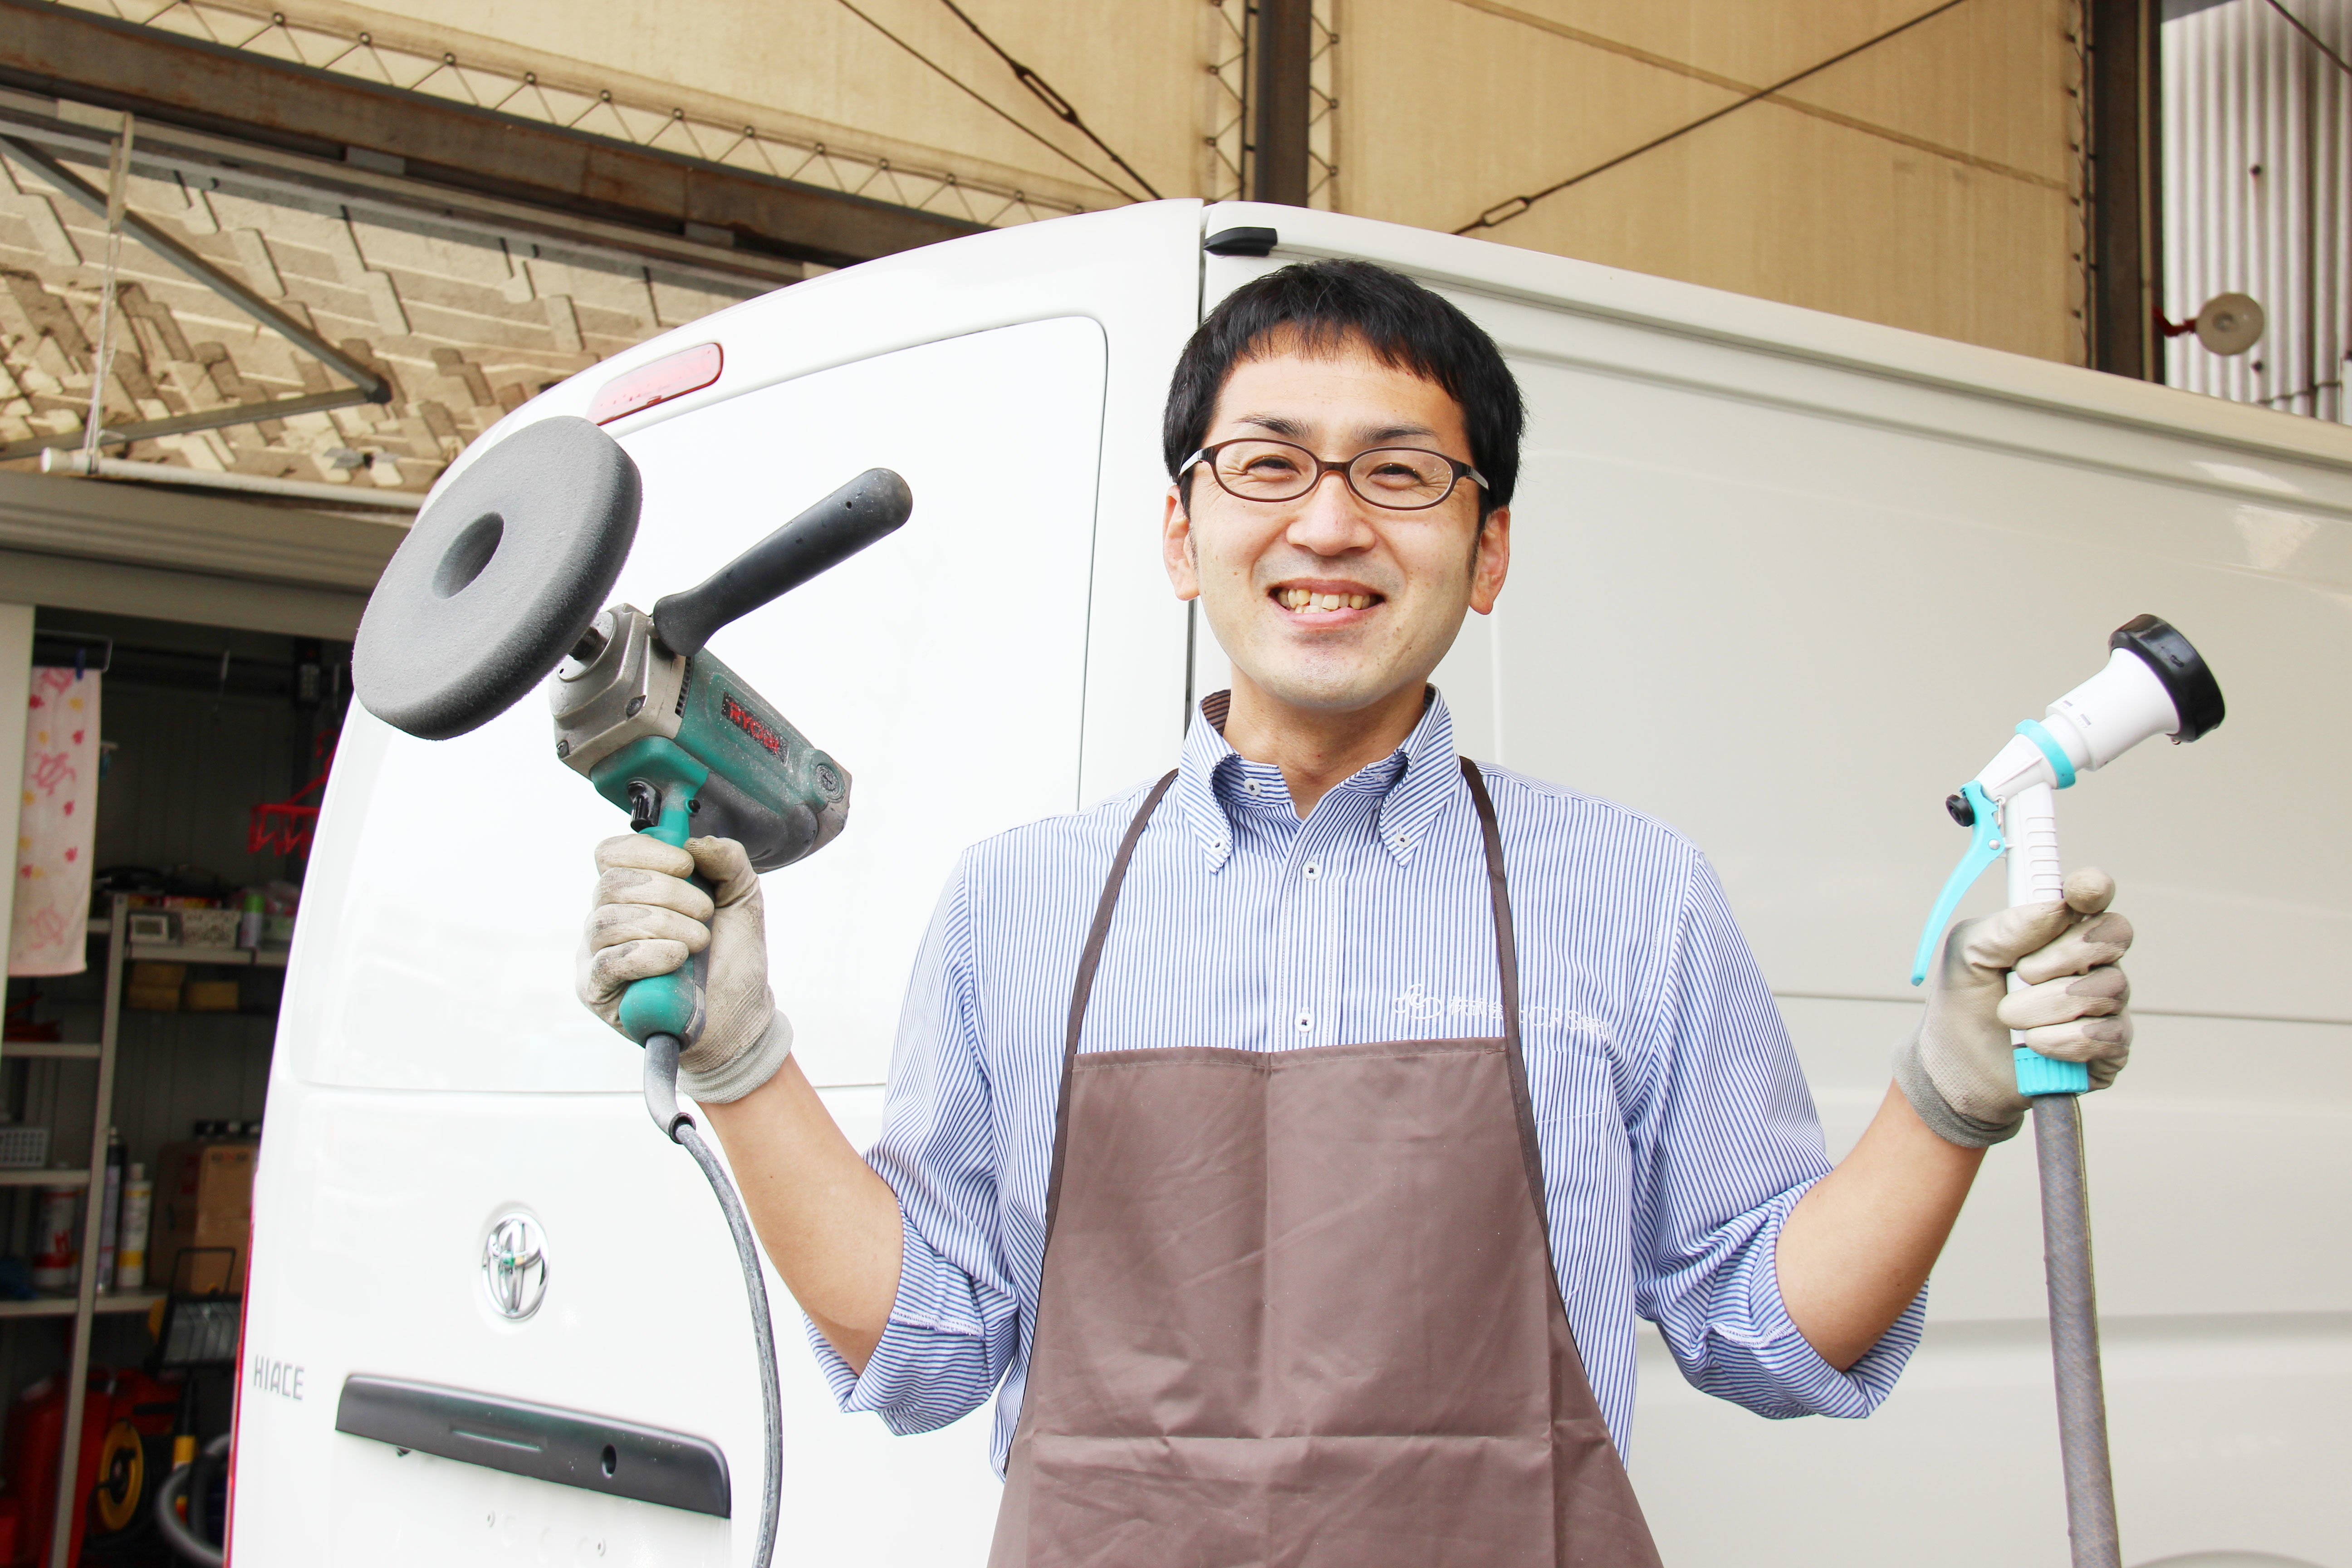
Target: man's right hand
{"x": 829, "y": 1223}
{"x": 648, "y": 918}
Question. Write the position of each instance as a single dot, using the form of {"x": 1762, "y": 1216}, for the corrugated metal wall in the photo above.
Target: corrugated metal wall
{"x": 2257, "y": 171}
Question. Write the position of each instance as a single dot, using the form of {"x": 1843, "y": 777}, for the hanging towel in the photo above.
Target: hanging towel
{"x": 56, "y": 824}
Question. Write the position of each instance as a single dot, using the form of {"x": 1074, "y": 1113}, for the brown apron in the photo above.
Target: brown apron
{"x": 1298, "y": 1307}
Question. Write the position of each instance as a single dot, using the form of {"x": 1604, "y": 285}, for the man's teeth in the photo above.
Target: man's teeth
{"x": 1304, "y": 599}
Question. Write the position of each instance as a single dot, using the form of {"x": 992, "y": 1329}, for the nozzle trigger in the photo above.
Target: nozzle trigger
{"x": 1985, "y": 846}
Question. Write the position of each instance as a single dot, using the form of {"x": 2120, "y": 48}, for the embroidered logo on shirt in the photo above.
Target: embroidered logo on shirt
{"x": 1418, "y": 1003}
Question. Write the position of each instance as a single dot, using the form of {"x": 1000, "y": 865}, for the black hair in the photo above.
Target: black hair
{"x": 1405, "y": 325}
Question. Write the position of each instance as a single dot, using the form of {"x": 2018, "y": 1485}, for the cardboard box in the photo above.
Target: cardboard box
{"x": 210, "y": 996}
{"x": 204, "y": 1199}
{"x": 156, "y": 987}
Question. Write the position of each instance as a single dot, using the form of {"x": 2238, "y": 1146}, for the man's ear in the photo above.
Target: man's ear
{"x": 1490, "y": 560}
{"x": 1176, "y": 548}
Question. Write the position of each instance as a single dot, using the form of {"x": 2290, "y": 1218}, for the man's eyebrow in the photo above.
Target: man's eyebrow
{"x": 1291, "y": 429}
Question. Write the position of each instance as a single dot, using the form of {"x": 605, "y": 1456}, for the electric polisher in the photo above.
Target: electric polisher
{"x": 502, "y": 583}
{"x": 2154, "y": 683}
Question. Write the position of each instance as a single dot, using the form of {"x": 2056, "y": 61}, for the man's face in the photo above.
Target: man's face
{"x": 1264, "y": 570}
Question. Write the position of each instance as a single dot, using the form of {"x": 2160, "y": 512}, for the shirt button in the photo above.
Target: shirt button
{"x": 1253, "y": 786}
{"x": 1304, "y": 1021}
{"x": 1312, "y": 870}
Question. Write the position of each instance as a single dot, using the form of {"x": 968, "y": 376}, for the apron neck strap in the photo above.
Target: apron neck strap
{"x": 1507, "y": 946}
{"x": 1091, "y": 958}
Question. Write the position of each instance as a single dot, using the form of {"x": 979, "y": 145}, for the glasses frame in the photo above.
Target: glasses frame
{"x": 1324, "y": 466}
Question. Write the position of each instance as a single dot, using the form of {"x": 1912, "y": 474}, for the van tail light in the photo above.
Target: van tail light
{"x": 236, "y": 1403}
{"x": 672, "y": 375}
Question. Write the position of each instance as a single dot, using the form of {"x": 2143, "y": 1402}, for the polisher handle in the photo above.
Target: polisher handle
{"x": 836, "y": 528}
{"x": 664, "y": 1004}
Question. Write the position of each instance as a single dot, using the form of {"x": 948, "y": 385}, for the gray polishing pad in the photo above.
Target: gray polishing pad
{"x": 498, "y": 579}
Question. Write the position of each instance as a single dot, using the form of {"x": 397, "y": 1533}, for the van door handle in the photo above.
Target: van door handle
{"x": 570, "y": 1447}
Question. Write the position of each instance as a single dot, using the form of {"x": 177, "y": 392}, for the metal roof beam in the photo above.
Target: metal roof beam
{"x": 50, "y": 50}
{"x": 117, "y": 434}
{"x": 372, "y": 387}
{"x": 272, "y": 173}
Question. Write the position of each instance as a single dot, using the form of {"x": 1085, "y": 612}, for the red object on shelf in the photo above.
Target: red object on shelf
{"x": 18, "y": 1025}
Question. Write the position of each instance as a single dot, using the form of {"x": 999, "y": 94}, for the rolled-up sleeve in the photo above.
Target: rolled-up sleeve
{"x": 952, "y": 1327}
{"x": 1725, "y": 1143}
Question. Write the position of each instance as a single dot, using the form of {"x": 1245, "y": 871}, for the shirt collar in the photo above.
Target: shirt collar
{"x": 1413, "y": 782}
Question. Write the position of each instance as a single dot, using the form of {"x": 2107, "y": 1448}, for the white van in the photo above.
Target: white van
{"x": 1782, "y": 579}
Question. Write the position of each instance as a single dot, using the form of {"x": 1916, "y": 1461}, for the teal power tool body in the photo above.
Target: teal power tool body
{"x": 2154, "y": 683}
{"x": 671, "y": 735}
{"x": 499, "y": 586}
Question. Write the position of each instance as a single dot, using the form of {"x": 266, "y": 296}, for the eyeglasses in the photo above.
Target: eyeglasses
{"x": 1397, "y": 479}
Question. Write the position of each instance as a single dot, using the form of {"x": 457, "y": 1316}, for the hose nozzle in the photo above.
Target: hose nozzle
{"x": 2155, "y": 683}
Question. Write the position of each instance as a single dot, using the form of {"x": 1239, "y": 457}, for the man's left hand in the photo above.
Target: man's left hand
{"x": 1958, "y": 1070}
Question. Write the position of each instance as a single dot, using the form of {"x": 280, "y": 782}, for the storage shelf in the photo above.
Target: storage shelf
{"x": 172, "y": 952}
{"x": 34, "y": 1176}
{"x": 63, "y": 1306}
{"x": 85, "y": 1051}
{"x": 100, "y": 927}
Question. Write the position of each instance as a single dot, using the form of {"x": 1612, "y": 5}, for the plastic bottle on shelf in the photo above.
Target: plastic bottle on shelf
{"x": 52, "y": 1241}
{"x": 109, "y": 1214}
{"x": 131, "y": 1251}
{"x": 252, "y": 907}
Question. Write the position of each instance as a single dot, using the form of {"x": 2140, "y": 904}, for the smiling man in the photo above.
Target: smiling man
{"x": 1297, "y": 1138}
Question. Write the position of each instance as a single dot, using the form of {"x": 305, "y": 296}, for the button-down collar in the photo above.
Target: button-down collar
{"x": 1413, "y": 782}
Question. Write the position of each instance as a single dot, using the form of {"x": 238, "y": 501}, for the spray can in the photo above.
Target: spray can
{"x": 52, "y": 1241}
{"x": 130, "y": 1250}
{"x": 110, "y": 1212}
{"x": 252, "y": 910}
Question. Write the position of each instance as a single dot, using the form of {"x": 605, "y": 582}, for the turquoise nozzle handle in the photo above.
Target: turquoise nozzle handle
{"x": 664, "y": 1004}
{"x": 2036, "y": 1074}
{"x": 1985, "y": 846}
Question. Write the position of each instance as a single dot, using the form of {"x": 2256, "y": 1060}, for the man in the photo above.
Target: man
{"x": 1297, "y": 1138}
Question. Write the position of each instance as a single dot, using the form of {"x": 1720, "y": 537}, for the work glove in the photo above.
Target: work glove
{"x": 1959, "y": 1068}
{"x": 647, "y": 919}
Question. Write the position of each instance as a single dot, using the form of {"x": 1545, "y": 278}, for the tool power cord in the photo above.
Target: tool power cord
{"x": 661, "y": 1102}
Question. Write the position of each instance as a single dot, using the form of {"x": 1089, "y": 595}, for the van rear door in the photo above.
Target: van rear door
{"x": 435, "y": 1075}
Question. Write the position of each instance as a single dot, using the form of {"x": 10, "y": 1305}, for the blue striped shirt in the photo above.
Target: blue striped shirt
{"x": 1675, "y": 1125}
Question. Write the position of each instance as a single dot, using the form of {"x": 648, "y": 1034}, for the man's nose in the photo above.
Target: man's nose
{"x": 1331, "y": 519}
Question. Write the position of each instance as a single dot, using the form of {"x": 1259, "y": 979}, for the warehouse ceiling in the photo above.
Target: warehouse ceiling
{"x": 386, "y": 251}
{"x": 463, "y": 320}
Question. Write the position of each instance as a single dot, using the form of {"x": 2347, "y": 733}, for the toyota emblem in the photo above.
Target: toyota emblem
{"x": 514, "y": 1266}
